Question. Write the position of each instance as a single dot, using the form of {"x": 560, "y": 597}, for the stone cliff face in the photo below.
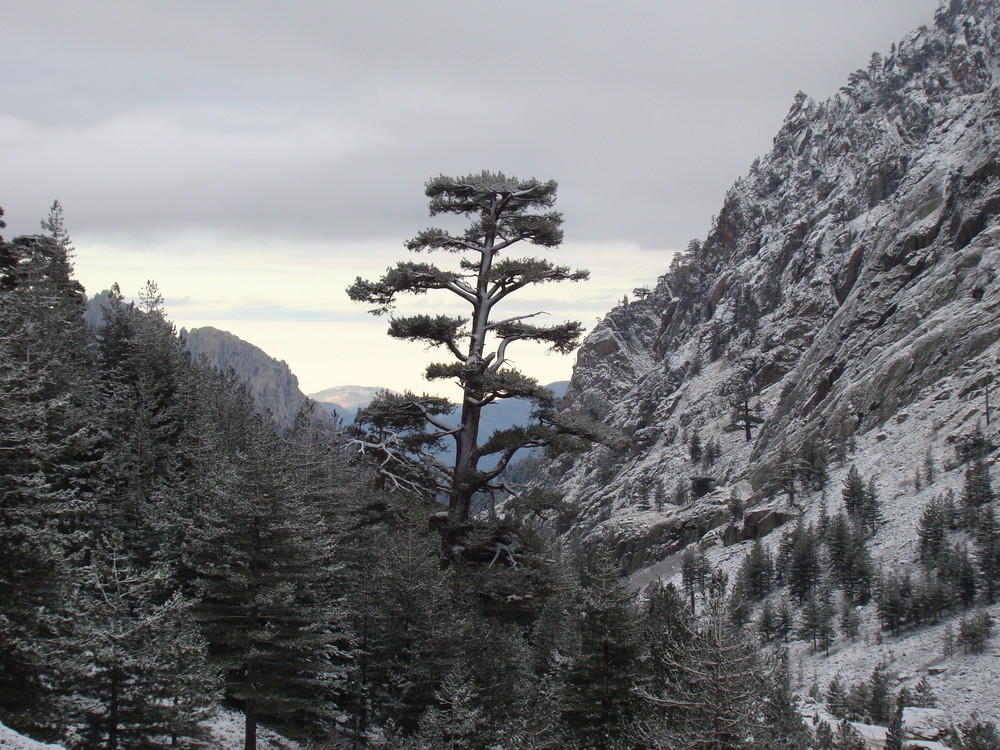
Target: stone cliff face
{"x": 850, "y": 277}
{"x": 274, "y": 387}
{"x": 846, "y": 302}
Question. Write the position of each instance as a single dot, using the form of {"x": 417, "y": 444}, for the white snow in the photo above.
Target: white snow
{"x": 225, "y": 732}
{"x": 11, "y": 740}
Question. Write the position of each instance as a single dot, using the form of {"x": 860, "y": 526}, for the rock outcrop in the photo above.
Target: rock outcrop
{"x": 846, "y": 303}
{"x": 274, "y": 387}
{"x": 851, "y": 270}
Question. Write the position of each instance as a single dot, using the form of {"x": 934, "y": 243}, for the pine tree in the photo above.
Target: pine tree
{"x": 411, "y": 623}
{"x": 891, "y": 605}
{"x": 817, "y": 621}
{"x": 850, "y": 620}
{"x": 987, "y": 545}
{"x": 782, "y": 725}
{"x": 881, "y": 705}
{"x": 695, "y": 570}
{"x": 787, "y": 474}
{"x": 717, "y": 693}
{"x": 812, "y": 463}
{"x": 923, "y": 695}
{"x": 47, "y": 454}
{"x": 739, "y": 603}
{"x": 932, "y": 532}
{"x": 803, "y": 565}
{"x": 978, "y": 489}
{"x": 267, "y": 618}
{"x": 454, "y": 721}
{"x": 758, "y": 567}
{"x": 140, "y": 667}
{"x": 836, "y": 698}
{"x": 962, "y": 575}
{"x": 975, "y": 630}
{"x": 767, "y": 622}
{"x": 503, "y": 212}
{"x": 853, "y": 492}
{"x": 602, "y": 678}
{"x": 694, "y": 446}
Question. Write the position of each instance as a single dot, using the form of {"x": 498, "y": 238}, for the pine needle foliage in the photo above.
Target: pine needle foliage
{"x": 502, "y": 212}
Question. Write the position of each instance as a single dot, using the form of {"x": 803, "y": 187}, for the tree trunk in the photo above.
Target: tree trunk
{"x": 463, "y": 486}
{"x": 113, "y": 716}
{"x": 746, "y": 420}
{"x": 250, "y": 733}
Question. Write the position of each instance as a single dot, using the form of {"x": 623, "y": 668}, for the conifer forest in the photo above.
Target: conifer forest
{"x": 762, "y": 516}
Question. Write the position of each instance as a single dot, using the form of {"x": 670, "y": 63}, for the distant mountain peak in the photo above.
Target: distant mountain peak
{"x": 271, "y": 382}
{"x": 351, "y": 397}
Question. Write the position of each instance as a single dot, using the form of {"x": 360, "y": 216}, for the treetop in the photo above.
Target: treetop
{"x": 486, "y": 191}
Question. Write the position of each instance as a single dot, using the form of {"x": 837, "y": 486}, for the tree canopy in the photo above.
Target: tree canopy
{"x": 502, "y": 212}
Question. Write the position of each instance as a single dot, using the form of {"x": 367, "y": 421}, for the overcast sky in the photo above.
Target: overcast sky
{"x": 253, "y": 157}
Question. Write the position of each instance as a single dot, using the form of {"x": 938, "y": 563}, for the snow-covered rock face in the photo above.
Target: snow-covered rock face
{"x": 849, "y": 274}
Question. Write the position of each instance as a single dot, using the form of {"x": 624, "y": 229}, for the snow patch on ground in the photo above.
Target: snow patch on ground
{"x": 225, "y": 732}
{"x": 965, "y": 684}
{"x": 11, "y": 740}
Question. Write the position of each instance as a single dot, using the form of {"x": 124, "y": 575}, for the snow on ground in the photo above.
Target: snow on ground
{"x": 965, "y": 684}
{"x": 225, "y": 732}
{"x": 11, "y": 740}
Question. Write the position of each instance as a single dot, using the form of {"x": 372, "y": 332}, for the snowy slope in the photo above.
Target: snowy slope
{"x": 850, "y": 285}
{"x": 11, "y": 740}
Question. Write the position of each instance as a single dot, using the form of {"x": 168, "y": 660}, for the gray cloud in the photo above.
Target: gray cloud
{"x": 316, "y": 120}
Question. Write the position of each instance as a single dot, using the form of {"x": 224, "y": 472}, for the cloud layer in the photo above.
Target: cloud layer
{"x": 305, "y": 131}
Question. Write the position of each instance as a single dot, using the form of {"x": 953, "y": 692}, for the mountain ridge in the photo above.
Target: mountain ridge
{"x": 847, "y": 297}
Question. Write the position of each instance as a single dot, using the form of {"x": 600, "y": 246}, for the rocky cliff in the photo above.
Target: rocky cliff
{"x": 274, "y": 387}
{"x": 846, "y": 299}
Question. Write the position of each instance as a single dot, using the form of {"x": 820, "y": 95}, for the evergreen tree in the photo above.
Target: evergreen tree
{"x": 767, "y": 622}
{"x": 739, "y": 390}
{"x": 47, "y": 454}
{"x": 140, "y": 671}
{"x": 602, "y": 678}
{"x": 504, "y": 211}
{"x": 784, "y": 620}
{"x": 836, "y": 698}
{"x": 817, "y": 621}
{"x": 758, "y": 569}
{"x": 694, "y": 446}
{"x": 850, "y": 620}
{"x": 782, "y": 726}
{"x": 929, "y": 472}
{"x": 787, "y": 474}
{"x": 853, "y": 493}
{"x": 932, "y": 531}
{"x": 923, "y": 695}
{"x": 812, "y": 464}
{"x": 977, "y": 490}
{"x": 270, "y": 624}
{"x": 975, "y": 630}
{"x": 973, "y": 735}
{"x": 739, "y": 603}
{"x": 717, "y": 693}
{"x": 960, "y": 573}
{"x": 891, "y": 605}
{"x": 410, "y": 625}
{"x": 987, "y": 545}
{"x": 803, "y": 566}
{"x": 695, "y": 571}
{"x": 881, "y": 705}
{"x": 454, "y": 721}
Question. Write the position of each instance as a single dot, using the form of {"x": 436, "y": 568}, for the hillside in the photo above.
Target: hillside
{"x": 845, "y": 302}
{"x": 274, "y": 386}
